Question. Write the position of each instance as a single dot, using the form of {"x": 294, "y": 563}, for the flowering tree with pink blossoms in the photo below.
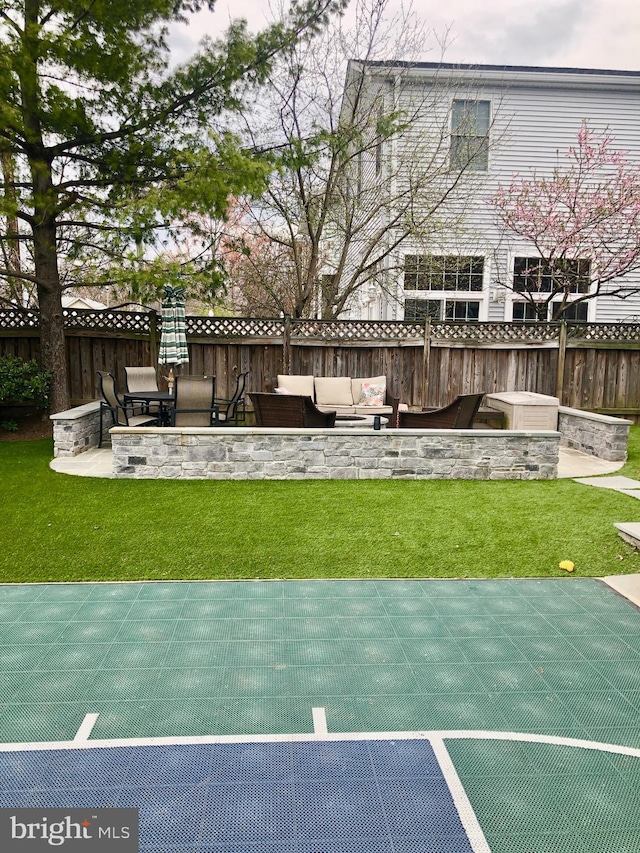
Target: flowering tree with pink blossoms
{"x": 582, "y": 223}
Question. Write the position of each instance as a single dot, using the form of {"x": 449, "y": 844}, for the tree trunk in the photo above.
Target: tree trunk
{"x": 53, "y": 355}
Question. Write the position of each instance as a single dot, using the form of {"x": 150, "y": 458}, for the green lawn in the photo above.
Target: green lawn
{"x": 62, "y": 528}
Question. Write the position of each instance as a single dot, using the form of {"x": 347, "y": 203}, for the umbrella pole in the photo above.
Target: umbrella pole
{"x": 170, "y": 380}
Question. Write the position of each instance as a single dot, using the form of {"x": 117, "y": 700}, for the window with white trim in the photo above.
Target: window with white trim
{"x": 470, "y": 121}
{"x": 449, "y": 279}
{"x": 534, "y": 275}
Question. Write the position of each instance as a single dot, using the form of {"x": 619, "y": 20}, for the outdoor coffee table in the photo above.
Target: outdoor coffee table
{"x": 360, "y": 421}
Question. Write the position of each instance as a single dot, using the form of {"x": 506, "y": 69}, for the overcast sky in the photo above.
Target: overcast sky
{"x": 558, "y": 33}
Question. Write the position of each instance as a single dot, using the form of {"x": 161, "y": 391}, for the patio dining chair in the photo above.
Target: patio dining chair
{"x": 194, "y": 404}
{"x": 142, "y": 379}
{"x": 459, "y": 414}
{"x": 232, "y": 412}
{"x": 113, "y": 408}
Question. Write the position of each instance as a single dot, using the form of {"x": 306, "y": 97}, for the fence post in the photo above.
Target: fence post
{"x": 153, "y": 336}
{"x": 562, "y": 352}
{"x": 426, "y": 362}
{"x": 286, "y": 345}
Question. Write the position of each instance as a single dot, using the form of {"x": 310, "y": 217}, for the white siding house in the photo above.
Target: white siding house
{"x": 531, "y": 116}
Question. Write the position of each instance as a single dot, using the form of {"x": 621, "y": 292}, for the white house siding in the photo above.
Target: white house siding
{"x": 536, "y": 116}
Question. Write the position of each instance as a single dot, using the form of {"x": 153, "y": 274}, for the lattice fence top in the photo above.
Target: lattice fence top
{"x": 340, "y": 331}
{"x": 106, "y": 320}
{"x": 234, "y": 327}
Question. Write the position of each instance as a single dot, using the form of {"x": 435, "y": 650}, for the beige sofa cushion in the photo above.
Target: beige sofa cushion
{"x": 333, "y": 390}
{"x": 339, "y": 410}
{"x": 296, "y": 383}
{"x": 373, "y": 410}
{"x": 356, "y": 386}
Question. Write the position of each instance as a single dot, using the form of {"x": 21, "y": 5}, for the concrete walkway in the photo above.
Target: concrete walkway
{"x": 98, "y": 463}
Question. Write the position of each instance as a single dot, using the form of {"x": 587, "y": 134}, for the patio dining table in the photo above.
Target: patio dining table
{"x": 165, "y": 401}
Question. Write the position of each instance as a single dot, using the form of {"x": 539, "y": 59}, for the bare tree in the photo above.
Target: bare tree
{"x": 363, "y": 162}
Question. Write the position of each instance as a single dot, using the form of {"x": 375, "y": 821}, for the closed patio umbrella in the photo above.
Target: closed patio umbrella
{"x": 173, "y": 340}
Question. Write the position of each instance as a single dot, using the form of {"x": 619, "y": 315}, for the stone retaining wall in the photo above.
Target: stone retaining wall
{"x": 341, "y": 454}
{"x": 76, "y": 430}
{"x": 598, "y": 435}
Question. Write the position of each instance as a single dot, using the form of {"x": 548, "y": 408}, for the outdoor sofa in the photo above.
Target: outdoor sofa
{"x": 343, "y": 394}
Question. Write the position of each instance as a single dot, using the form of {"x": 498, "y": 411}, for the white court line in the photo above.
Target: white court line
{"x": 86, "y": 728}
{"x": 464, "y": 808}
{"x": 306, "y": 737}
{"x": 319, "y": 721}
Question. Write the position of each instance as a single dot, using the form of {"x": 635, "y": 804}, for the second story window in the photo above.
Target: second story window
{"x": 443, "y": 272}
{"x": 470, "y": 135}
{"x": 534, "y": 275}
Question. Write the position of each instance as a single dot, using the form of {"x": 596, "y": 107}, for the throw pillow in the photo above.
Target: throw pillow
{"x": 372, "y": 394}
{"x": 282, "y": 391}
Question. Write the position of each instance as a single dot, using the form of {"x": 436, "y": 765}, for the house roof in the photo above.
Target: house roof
{"x": 593, "y": 78}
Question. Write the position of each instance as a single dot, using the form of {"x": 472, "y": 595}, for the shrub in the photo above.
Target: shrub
{"x": 23, "y": 382}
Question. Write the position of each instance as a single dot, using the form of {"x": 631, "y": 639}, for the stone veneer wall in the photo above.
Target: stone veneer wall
{"x": 599, "y": 435}
{"x": 76, "y": 430}
{"x": 261, "y": 453}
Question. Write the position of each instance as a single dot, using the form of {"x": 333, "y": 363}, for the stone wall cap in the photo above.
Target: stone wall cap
{"x": 593, "y": 416}
{"x": 77, "y": 412}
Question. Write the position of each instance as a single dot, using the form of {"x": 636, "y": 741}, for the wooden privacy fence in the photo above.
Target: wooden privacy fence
{"x": 593, "y": 366}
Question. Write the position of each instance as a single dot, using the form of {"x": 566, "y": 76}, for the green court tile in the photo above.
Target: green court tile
{"x": 525, "y": 625}
{"x": 370, "y": 680}
{"x": 419, "y": 607}
{"x": 604, "y": 647}
{"x": 195, "y": 630}
{"x": 491, "y": 588}
{"x": 535, "y": 586}
{"x": 431, "y": 649}
{"x": 42, "y": 722}
{"x": 89, "y": 632}
{"x": 488, "y": 758}
{"x": 620, "y": 735}
{"x": 460, "y": 606}
{"x": 399, "y": 588}
{"x": 22, "y": 657}
{"x": 65, "y": 656}
{"x": 156, "y": 631}
{"x": 578, "y": 624}
{"x": 102, "y": 611}
{"x": 534, "y": 712}
{"x": 12, "y": 684}
{"x": 472, "y": 626}
{"x": 135, "y": 655}
{"x": 387, "y": 714}
{"x": 572, "y": 675}
{"x": 602, "y": 709}
{"x": 206, "y": 608}
{"x": 602, "y": 804}
{"x": 623, "y": 675}
{"x": 419, "y": 627}
{"x": 361, "y": 628}
{"x": 547, "y": 648}
{"x": 348, "y": 608}
{"x": 437, "y": 589}
{"x": 607, "y": 603}
{"x": 330, "y": 589}
{"x": 549, "y": 759}
{"x": 517, "y": 806}
{"x": 624, "y": 623}
{"x": 567, "y": 842}
{"x": 505, "y": 605}
{"x": 12, "y": 610}
{"x": 66, "y": 591}
{"x": 32, "y": 632}
{"x": 56, "y": 686}
{"x": 460, "y": 711}
{"x": 346, "y": 652}
{"x": 160, "y": 591}
{"x": 450, "y": 678}
{"x": 510, "y": 675}
{"x": 115, "y": 592}
{"x": 317, "y": 608}
{"x": 211, "y": 682}
{"x": 51, "y": 611}
{"x": 152, "y": 610}
{"x": 20, "y": 592}
{"x": 122, "y": 684}
{"x": 550, "y": 605}
{"x": 485, "y": 649}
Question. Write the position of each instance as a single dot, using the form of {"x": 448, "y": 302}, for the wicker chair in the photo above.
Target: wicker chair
{"x": 111, "y": 406}
{"x": 289, "y": 410}
{"x": 457, "y": 415}
{"x": 233, "y": 411}
{"x": 194, "y": 404}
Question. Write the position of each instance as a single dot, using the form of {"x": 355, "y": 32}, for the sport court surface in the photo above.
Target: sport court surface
{"x": 330, "y": 716}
